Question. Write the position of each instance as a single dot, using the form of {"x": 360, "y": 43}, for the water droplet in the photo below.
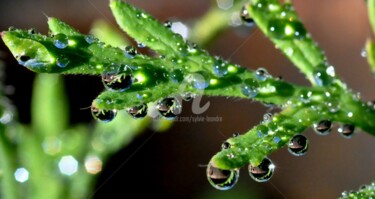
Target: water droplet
{"x": 286, "y": 29}
{"x": 222, "y": 179}
{"x": 62, "y": 62}
{"x": 169, "y": 107}
{"x": 246, "y": 18}
{"x": 346, "y": 130}
{"x": 138, "y": 111}
{"x": 177, "y": 76}
{"x": 118, "y": 82}
{"x": 250, "y": 88}
{"x": 180, "y": 29}
{"x": 130, "y": 52}
{"x": 276, "y": 139}
{"x": 187, "y": 96}
{"x": 263, "y": 172}
{"x": 262, "y": 74}
{"x": 90, "y": 39}
{"x": 24, "y": 58}
{"x": 267, "y": 117}
{"x": 140, "y": 44}
{"x": 225, "y": 145}
{"x": 371, "y": 104}
{"x": 305, "y": 96}
{"x": 220, "y": 67}
{"x": 333, "y": 106}
{"x": 103, "y": 115}
{"x": 262, "y": 131}
{"x": 200, "y": 80}
{"x": 298, "y": 145}
{"x": 236, "y": 134}
{"x": 322, "y": 78}
{"x": 31, "y": 31}
{"x": 323, "y": 127}
{"x": 60, "y": 41}
{"x": 168, "y": 24}
{"x": 363, "y": 53}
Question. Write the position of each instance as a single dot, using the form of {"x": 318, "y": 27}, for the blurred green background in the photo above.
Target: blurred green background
{"x": 166, "y": 164}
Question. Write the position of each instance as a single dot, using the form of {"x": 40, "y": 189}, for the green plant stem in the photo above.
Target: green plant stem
{"x": 8, "y": 164}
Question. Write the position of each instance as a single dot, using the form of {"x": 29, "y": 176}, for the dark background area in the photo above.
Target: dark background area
{"x": 166, "y": 165}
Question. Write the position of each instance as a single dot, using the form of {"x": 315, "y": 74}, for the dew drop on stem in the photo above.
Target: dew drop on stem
{"x": 298, "y": 145}
{"x": 60, "y": 41}
{"x": 117, "y": 79}
{"x": 262, "y": 172}
{"x": 346, "y": 130}
{"x": 138, "y": 112}
{"x": 262, "y": 74}
{"x": 130, "y": 52}
{"x": 225, "y": 145}
{"x": 250, "y": 88}
{"x": 323, "y": 127}
{"x": 245, "y": 17}
{"x": 222, "y": 179}
{"x": 169, "y": 107}
{"x": 103, "y": 115}
{"x": 62, "y": 62}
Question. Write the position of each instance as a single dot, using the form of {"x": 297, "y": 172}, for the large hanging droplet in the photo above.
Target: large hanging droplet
{"x": 138, "y": 112}
{"x": 298, "y": 145}
{"x": 323, "y": 127}
{"x": 262, "y": 74}
{"x": 220, "y": 67}
{"x": 246, "y": 18}
{"x": 60, "y": 41}
{"x": 263, "y": 172}
{"x": 130, "y": 52}
{"x": 346, "y": 130}
{"x": 222, "y": 179}
{"x": 118, "y": 82}
{"x": 169, "y": 107}
{"x": 103, "y": 115}
{"x": 250, "y": 88}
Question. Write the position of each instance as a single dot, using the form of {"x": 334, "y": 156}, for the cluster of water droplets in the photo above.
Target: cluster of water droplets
{"x": 222, "y": 179}
{"x": 251, "y": 87}
{"x": 365, "y": 191}
{"x": 324, "y": 127}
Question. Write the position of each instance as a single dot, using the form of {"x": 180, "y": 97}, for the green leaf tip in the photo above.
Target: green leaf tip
{"x": 147, "y": 30}
{"x": 27, "y": 51}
